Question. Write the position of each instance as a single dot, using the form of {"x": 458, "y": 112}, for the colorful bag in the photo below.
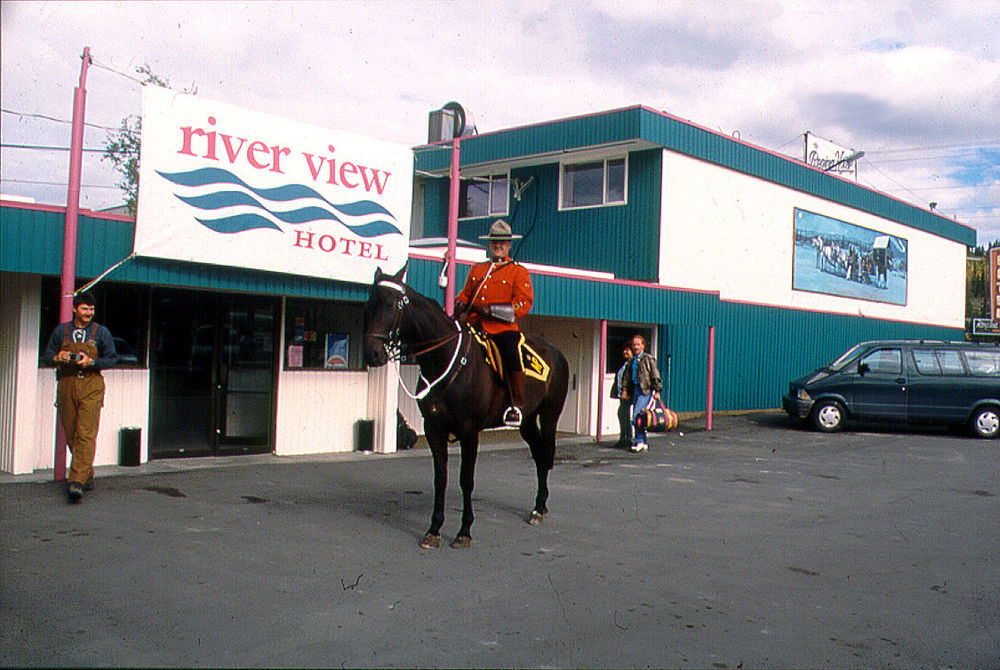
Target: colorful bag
{"x": 656, "y": 418}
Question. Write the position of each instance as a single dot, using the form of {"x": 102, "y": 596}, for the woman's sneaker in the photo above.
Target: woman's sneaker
{"x": 638, "y": 447}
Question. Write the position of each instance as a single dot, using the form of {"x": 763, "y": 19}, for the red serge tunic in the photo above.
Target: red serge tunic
{"x": 508, "y": 283}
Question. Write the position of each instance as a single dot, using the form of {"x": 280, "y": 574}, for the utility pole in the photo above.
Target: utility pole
{"x": 68, "y": 280}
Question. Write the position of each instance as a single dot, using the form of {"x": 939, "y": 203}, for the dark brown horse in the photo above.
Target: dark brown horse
{"x": 459, "y": 394}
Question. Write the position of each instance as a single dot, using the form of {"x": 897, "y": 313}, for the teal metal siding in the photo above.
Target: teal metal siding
{"x": 621, "y": 239}
{"x": 596, "y": 129}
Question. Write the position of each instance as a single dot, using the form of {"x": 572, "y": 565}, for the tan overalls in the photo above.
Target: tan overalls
{"x": 79, "y": 399}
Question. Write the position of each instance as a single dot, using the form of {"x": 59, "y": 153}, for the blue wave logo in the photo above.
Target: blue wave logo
{"x": 364, "y": 218}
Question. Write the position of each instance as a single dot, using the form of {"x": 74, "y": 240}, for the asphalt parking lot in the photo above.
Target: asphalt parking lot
{"x": 754, "y": 545}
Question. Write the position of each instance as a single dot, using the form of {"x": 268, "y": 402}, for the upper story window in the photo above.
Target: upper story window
{"x": 593, "y": 184}
{"x": 483, "y": 196}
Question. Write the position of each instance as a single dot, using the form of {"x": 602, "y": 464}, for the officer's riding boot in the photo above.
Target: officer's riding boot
{"x": 515, "y": 381}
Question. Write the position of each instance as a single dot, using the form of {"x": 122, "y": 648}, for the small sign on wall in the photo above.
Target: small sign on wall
{"x": 336, "y": 351}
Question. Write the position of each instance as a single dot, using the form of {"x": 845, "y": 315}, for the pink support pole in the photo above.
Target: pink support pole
{"x": 711, "y": 377}
{"x": 449, "y": 291}
{"x": 68, "y": 278}
{"x": 603, "y": 358}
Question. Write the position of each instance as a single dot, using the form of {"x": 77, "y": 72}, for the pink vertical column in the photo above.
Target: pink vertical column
{"x": 711, "y": 377}
{"x": 68, "y": 277}
{"x": 600, "y": 377}
{"x": 449, "y": 291}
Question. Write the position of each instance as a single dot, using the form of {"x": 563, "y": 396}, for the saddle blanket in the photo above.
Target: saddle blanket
{"x": 534, "y": 365}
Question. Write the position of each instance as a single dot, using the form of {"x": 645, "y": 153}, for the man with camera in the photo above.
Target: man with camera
{"x": 81, "y": 348}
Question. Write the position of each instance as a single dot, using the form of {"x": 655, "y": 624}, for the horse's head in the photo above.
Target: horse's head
{"x": 382, "y": 315}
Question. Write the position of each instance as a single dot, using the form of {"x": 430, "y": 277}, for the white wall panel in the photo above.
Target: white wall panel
{"x": 317, "y": 410}
{"x": 739, "y": 229}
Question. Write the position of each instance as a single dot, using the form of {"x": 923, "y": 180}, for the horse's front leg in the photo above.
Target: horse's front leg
{"x": 439, "y": 450}
{"x": 467, "y": 480}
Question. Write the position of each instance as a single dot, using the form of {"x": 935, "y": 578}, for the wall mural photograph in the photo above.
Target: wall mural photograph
{"x": 839, "y": 258}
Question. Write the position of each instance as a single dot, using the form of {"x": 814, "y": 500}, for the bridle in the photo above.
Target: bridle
{"x": 394, "y": 347}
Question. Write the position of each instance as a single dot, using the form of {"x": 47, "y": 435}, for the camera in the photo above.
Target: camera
{"x": 76, "y": 357}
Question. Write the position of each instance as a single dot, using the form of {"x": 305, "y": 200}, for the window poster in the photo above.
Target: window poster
{"x": 336, "y": 351}
{"x": 839, "y": 258}
{"x": 295, "y": 356}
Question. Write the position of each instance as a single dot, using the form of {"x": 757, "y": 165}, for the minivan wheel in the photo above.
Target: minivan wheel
{"x": 986, "y": 422}
{"x": 828, "y": 416}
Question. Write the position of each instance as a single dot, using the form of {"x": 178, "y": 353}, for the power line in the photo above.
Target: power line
{"x": 52, "y": 118}
{"x": 104, "y": 66}
{"x": 45, "y": 148}
{"x": 941, "y": 188}
{"x": 935, "y": 157}
{"x": 961, "y": 145}
{"x": 50, "y": 183}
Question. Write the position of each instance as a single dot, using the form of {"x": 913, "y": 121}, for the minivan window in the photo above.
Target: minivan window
{"x": 983, "y": 363}
{"x": 951, "y": 362}
{"x": 926, "y": 362}
{"x": 846, "y": 357}
{"x": 884, "y": 361}
{"x": 938, "y": 361}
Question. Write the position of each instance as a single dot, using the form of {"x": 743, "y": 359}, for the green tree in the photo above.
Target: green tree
{"x": 122, "y": 145}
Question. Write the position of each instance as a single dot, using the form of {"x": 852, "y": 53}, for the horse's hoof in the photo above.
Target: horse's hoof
{"x": 535, "y": 518}
{"x": 430, "y": 541}
{"x": 462, "y": 542}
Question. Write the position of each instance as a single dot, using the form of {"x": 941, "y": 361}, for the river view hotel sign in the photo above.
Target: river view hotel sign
{"x": 227, "y": 186}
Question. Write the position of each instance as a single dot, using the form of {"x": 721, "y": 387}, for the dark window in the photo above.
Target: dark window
{"x": 483, "y": 196}
{"x": 323, "y": 335}
{"x": 618, "y": 338}
{"x": 593, "y": 183}
{"x": 123, "y": 308}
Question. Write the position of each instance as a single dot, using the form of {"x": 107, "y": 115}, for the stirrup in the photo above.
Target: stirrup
{"x": 512, "y": 417}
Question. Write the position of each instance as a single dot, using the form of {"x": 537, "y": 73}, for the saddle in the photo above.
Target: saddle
{"x": 532, "y": 363}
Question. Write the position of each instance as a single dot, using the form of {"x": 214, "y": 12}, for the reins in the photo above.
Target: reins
{"x": 393, "y": 338}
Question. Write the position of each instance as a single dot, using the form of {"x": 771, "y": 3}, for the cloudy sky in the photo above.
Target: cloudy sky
{"x": 916, "y": 85}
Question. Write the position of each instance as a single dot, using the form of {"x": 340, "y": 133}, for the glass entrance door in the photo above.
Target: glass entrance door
{"x": 212, "y": 367}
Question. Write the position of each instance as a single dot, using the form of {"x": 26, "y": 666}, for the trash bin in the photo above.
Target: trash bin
{"x": 365, "y": 438}
{"x": 129, "y": 440}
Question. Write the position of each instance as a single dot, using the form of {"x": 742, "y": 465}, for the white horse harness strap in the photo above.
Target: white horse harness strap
{"x": 454, "y": 356}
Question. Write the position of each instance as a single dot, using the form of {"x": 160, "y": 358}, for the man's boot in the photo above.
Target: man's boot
{"x": 515, "y": 382}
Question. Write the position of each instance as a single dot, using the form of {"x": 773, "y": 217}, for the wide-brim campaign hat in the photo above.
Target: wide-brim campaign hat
{"x": 500, "y": 232}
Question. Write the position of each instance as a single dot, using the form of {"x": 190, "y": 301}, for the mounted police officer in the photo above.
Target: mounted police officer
{"x": 497, "y": 293}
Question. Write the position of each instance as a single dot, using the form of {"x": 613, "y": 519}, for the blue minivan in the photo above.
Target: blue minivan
{"x": 913, "y": 381}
